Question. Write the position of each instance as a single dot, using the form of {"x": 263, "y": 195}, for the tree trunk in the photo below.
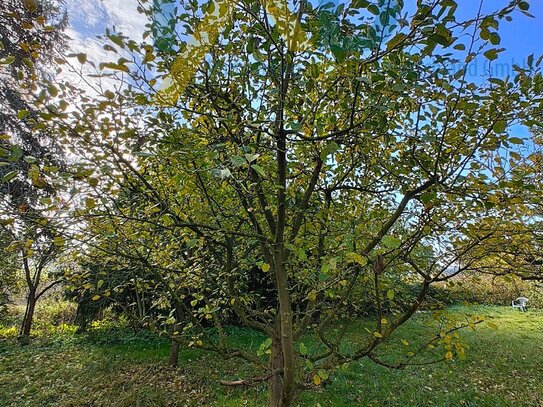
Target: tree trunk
{"x": 174, "y": 348}
{"x": 174, "y": 354}
{"x": 281, "y": 386}
{"x": 276, "y": 387}
{"x": 26, "y": 326}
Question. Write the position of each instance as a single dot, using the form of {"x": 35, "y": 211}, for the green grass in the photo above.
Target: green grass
{"x": 503, "y": 367}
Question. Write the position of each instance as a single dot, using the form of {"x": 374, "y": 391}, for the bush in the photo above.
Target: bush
{"x": 494, "y": 290}
{"x": 54, "y": 311}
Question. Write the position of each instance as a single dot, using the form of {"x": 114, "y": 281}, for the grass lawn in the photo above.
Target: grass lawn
{"x": 503, "y": 367}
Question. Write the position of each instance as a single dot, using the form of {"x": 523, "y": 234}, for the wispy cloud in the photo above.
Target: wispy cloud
{"x": 89, "y": 19}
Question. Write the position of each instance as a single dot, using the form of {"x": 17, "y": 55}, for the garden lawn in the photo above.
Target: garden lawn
{"x": 503, "y": 367}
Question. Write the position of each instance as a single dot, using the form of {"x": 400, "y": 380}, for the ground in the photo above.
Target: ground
{"x": 503, "y": 367}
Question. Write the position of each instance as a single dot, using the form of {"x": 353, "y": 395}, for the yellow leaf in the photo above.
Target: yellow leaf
{"x": 96, "y": 297}
{"x": 317, "y": 380}
{"x": 312, "y": 296}
{"x": 265, "y": 267}
{"x": 30, "y": 5}
{"x": 377, "y": 335}
{"x": 448, "y": 355}
{"x": 355, "y": 257}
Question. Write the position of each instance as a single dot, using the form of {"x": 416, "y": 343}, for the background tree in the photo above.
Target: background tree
{"x": 31, "y": 34}
{"x": 9, "y": 273}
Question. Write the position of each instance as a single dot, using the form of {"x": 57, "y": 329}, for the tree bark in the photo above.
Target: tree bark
{"x": 277, "y": 396}
{"x": 173, "y": 359}
{"x": 26, "y": 326}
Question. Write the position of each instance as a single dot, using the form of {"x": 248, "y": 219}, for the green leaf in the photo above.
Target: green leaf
{"x": 237, "y": 160}
{"x": 258, "y": 169}
{"x": 397, "y": 39}
{"x": 251, "y": 157}
{"x": 491, "y": 54}
{"x": 338, "y": 51}
{"x": 303, "y": 349}
{"x": 59, "y": 241}
{"x": 82, "y": 58}
{"x": 116, "y": 40}
{"x": 391, "y": 242}
{"x": 114, "y": 66}
{"x": 9, "y": 176}
{"x": 53, "y": 91}
{"x": 495, "y": 39}
{"x": 355, "y": 257}
{"x": 21, "y": 114}
{"x": 8, "y": 60}
{"x": 90, "y": 203}
{"x": 144, "y": 154}
{"x": 499, "y": 126}
{"x": 427, "y": 197}
{"x": 515, "y": 140}
{"x": 390, "y": 294}
{"x": 323, "y": 374}
{"x": 373, "y": 9}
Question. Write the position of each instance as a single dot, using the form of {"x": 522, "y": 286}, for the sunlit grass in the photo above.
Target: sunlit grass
{"x": 503, "y": 367}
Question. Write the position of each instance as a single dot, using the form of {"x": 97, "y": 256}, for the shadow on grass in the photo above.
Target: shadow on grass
{"x": 504, "y": 367}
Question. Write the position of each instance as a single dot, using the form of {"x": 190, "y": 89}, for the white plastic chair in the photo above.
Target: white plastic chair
{"x": 521, "y": 303}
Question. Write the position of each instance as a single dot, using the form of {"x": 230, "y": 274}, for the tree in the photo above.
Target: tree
{"x": 515, "y": 246}
{"x": 31, "y": 36}
{"x": 8, "y": 274}
{"x": 329, "y": 148}
{"x": 37, "y": 248}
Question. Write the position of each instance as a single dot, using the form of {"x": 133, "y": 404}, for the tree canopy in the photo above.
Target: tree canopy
{"x": 273, "y": 162}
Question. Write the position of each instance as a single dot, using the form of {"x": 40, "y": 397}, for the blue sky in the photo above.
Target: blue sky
{"x": 521, "y": 37}
{"x": 89, "y": 18}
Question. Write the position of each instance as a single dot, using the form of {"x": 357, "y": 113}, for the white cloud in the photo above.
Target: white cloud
{"x": 123, "y": 14}
{"x": 85, "y": 13}
{"x": 90, "y": 18}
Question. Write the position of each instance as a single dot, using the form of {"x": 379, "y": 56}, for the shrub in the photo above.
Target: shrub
{"x": 494, "y": 290}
